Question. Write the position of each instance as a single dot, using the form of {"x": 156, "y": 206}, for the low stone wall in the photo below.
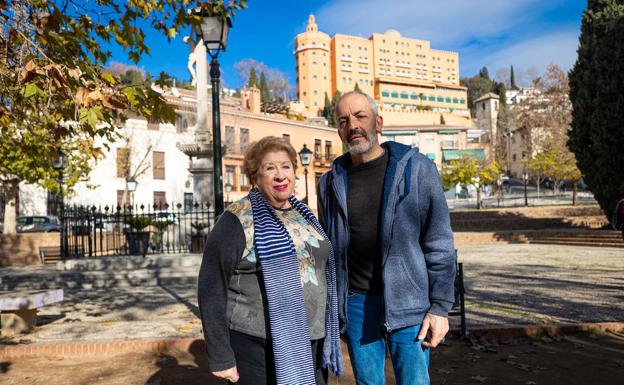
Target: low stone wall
{"x": 528, "y": 218}
{"x": 23, "y": 249}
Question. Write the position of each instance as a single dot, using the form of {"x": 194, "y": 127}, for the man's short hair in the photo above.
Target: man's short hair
{"x": 371, "y": 101}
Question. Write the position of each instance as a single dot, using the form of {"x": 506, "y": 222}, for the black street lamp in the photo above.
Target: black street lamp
{"x": 214, "y": 32}
{"x": 525, "y": 179}
{"x": 305, "y": 156}
{"x": 131, "y": 186}
{"x": 60, "y": 164}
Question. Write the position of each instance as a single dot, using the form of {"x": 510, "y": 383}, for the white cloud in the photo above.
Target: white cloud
{"x": 443, "y": 22}
{"x": 488, "y": 33}
{"x": 558, "y": 47}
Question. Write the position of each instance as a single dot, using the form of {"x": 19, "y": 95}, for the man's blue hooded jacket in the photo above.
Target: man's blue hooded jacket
{"x": 418, "y": 256}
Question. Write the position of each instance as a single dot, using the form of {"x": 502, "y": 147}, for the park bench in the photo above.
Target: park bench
{"x": 459, "y": 306}
{"x": 18, "y": 309}
{"x": 51, "y": 254}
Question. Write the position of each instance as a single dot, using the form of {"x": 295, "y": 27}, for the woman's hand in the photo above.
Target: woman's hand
{"x": 230, "y": 374}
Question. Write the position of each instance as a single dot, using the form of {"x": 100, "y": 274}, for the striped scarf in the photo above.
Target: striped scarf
{"x": 287, "y": 314}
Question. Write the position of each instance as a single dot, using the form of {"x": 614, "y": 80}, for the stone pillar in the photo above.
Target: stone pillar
{"x": 201, "y": 167}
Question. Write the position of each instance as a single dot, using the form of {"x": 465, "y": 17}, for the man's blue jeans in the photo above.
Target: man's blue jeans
{"x": 366, "y": 339}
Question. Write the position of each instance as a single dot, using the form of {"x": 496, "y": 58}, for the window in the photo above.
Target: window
{"x": 395, "y": 94}
{"x": 152, "y": 124}
{"x": 229, "y": 177}
{"x": 244, "y": 138}
{"x": 448, "y": 100}
{"x": 414, "y": 96}
{"x": 431, "y": 98}
{"x": 317, "y": 149}
{"x": 455, "y": 101}
{"x": 188, "y": 201}
{"x": 287, "y": 137}
{"x": 229, "y": 138}
{"x": 243, "y": 181}
{"x": 328, "y": 150}
{"x": 123, "y": 162}
{"x": 160, "y": 198}
{"x": 120, "y": 196}
{"x": 440, "y": 99}
{"x": 158, "y": 165}
{"x": 181, "y": 124}
{"x": 385, "y": 93}
{"x": 462, "y": 101}
{"x": 404, "y": 95}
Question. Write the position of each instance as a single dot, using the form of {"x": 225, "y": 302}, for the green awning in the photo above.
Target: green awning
{"x": 449, "y": 155}
{"x": 448, "y": 132}
{"x": 431, "y": 155}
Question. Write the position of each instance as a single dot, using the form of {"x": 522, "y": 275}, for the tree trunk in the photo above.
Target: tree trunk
{"x": 478, "y": 197}
{"x": 11, "y": 189}
{"x": 574, "y": 189}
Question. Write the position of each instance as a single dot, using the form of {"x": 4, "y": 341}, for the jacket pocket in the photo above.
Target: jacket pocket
{"x": 406, "y": 284}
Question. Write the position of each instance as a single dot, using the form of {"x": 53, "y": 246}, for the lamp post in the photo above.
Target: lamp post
{"x": 305, "y": 156}
{"x": 60, "y": 164}
{"x": 131, "y": 185}
{"x": 525, "y": 179}
{"x": 214, "y": 32}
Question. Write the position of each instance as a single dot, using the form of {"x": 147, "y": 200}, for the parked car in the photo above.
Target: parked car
{"x": 37, "y": 224}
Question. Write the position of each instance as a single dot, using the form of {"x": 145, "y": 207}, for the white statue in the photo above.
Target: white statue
{"x": 192, "y": 59}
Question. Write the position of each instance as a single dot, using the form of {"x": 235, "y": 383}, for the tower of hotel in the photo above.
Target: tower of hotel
{"x": 403, "y": 75}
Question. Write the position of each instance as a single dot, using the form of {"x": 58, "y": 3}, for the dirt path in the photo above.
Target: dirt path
{"x": 575, "y": 359}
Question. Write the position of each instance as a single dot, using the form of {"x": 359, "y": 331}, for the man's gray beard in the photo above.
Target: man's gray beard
{"x": 363, "y": 148}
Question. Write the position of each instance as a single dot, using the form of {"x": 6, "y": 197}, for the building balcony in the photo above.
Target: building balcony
{"x": 346, "y": 58}
{"x": 363, "y": 61}
{"x": 403, "y": 65}
{"x": 363, "y": 70}
{"x": 346, "y": 68}
{"x": 403, "y": 75}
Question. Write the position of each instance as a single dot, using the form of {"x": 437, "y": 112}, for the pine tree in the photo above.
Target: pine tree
{"x": 357, "y": 87}
{"x": 237, "y": 93}
{"x": 442, "y": 121}
{"x": 512, "y": 79}
{"x": 253, "y": 77}
{"x": 484, "y": 73}
{"x": 265, "y": 95}
{"x": 596, "y": 83}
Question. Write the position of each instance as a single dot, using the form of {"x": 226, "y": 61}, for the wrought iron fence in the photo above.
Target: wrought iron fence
{"x": 91, "y": 231}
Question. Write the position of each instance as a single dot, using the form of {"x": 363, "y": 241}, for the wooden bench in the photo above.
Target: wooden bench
{"x": 49, "y": 254}
{"x": 18, "y": 309}
{"x": 459, "y": 306}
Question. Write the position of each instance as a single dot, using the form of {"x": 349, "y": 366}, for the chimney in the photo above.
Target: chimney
{"x": 254, "y": 100}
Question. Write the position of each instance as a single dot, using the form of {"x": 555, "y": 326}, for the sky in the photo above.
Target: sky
{"x": 528, "y": 34}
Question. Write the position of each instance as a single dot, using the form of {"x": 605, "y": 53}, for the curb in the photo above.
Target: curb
{"x": 499, "y": 333}
{"x": 507, "y": 332}
{"x": 102, "y": 348}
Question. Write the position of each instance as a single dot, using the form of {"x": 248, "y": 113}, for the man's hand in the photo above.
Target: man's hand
{"x": 433, "y": 330}
{"x": 230, "y": 374}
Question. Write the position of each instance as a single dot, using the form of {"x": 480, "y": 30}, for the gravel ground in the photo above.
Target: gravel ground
{"x": 505, "y": 283}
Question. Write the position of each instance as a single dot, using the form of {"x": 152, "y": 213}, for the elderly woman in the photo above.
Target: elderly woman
{"x": 266, "y": 286}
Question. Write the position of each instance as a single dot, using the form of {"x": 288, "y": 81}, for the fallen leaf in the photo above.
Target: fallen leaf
{"x": 478, "y": 378}
{"x": 106, "y": 324}
{"x": 444, "y": 371}
{"x": 185, "y": 328}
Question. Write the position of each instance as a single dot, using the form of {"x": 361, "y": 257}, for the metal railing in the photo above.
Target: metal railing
{"x": 92, "y": 231}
